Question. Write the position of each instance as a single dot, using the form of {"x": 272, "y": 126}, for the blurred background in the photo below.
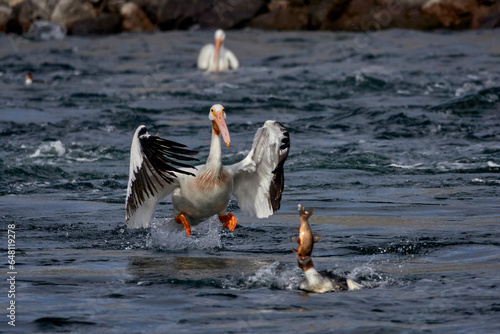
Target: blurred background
{"x": 84, "y": 17}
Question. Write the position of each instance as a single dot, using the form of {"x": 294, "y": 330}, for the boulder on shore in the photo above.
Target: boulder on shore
{"x": 82, "y": 17}
{"x": 464, "y": 14}
{"x": 86, "y": 17}
{"x": 134, "y": 19}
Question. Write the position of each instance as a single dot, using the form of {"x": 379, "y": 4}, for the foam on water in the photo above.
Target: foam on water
{"x": 53, "y": 148}
{"x": 369, "y": 277}
{"x": 273, "y": 276}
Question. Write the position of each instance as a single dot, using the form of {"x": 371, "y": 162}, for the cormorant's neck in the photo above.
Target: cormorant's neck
{"x": 305, "y": 264}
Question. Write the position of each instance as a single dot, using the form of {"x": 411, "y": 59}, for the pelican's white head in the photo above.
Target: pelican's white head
{"x": 219, "y": 39}
{"x": 218, "y": 117}
{"x": 220, "y": 35}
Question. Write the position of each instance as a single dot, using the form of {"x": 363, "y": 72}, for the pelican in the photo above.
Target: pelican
{"x": 197, "y": 194}
{"x": 217, "y": 58}
{"x": 315, "y": 281}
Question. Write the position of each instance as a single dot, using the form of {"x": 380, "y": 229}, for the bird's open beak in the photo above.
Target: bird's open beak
{"x": 220, "y": 127}
{"x": 218, "y": 43}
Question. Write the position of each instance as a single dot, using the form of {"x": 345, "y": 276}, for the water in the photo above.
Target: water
{"x": 394, "y": 141}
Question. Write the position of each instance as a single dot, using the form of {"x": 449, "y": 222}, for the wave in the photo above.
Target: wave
{"x": 471, "y": 103}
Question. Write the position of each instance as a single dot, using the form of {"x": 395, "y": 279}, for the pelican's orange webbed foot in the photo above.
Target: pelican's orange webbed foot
{"x": 180, "y": 219}
{"x": 228, "y": 220}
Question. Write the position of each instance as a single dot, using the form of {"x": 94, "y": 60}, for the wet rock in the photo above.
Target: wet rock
{"x": 150, "y": 8}
{"x": 105, "y": 23}
{"x": 86, "y": 17}
{"x": 5, "y": 12}
{"x": 45, "y": 30}
{"x": 464, "y": 13}
{"x": 283, "y": 17}
{"x": 372, "y": 15}
{"x": 210, "y": 14}
{"x": 228, "y": 14}
{"x": 134, "y": 19}
{"x": 325, "y": 14}
{"x": 108, "y": 16}
{"x": 24, "y": 12}
{"x": 181, "y": 14}
{"x": 451, "y": 13}
{"x": 67, "y": 12}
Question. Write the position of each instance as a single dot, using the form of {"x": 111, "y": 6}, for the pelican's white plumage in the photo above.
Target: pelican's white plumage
{"x": 216, "y": 57}
{"x": 255, "y": 176}
{"x": 257, "y": 181}
{"x": 152, "y": 174}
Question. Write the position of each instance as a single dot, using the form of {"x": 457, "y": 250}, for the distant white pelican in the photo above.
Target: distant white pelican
{"x": 217, "y": 58}
{"x": 256, "y": 181}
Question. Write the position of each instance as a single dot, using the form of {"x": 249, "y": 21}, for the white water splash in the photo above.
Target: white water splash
{"x": 53, "y": 148}
{"x": 492, "y": 164}
{"x": 414, "y": 166}
{"x": 368, "y": 277}
{"x": 168, "y": 235}
{"x": 273, "y": 276}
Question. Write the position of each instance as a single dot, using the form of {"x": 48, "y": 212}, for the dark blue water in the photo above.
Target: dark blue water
{"x": 394, "y": 141}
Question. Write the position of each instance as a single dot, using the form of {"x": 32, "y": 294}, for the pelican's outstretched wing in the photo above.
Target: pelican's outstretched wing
{"x": 154, "y": 163}
{"x": 205, "y": 57}
{"x": 259, "y": 179}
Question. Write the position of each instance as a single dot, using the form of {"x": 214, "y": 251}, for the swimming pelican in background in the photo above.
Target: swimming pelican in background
{"x": 257, "y": 181}
{"x": 217, "y": 58}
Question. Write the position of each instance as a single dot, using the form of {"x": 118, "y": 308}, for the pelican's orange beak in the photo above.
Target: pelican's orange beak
{"x": 220, "y": 127}
{"x": 218, "y": 43}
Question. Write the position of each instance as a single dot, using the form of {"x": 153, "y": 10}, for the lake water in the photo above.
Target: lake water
{"x": 395, "y": 141}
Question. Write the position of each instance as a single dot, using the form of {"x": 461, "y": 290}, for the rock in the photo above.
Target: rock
{"x": 150, "y": 8}
{"x": 227, "y": 14}
{"x": 86, "y": 17}
{"x": 283, "y": 18}
{"x": 174, "y": 14}
{"x": 487, "y": 17}
{"x": 320, "y": 11}
{"x": 134, "y": 19}
{"x": 372, "y": 15}
{"x": 68, "y": 12}
{"x": 208, "y": 14}
{"x": 302, "y": 14}
{"x": 456, "y": 14}
{"x": 181, "y": 14}
{"x": 4, "y": 17}
{"x": 45, "y": 31}
{"x": 463, "y": 14}
{"x": 109, "y": 16}
{"x": 26, "y": 11}
{"x": 105, "y": 23}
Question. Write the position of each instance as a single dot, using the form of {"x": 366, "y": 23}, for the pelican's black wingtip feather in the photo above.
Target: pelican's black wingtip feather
{"x": 278, "y": 182}
{"x": 161, "y": 160}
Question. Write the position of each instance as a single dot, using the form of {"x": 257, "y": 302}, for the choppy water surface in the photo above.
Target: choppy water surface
{"x": 394, "y": 141}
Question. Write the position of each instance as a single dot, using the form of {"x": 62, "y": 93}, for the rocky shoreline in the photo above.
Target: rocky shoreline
{"x": 88, "y": 17}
